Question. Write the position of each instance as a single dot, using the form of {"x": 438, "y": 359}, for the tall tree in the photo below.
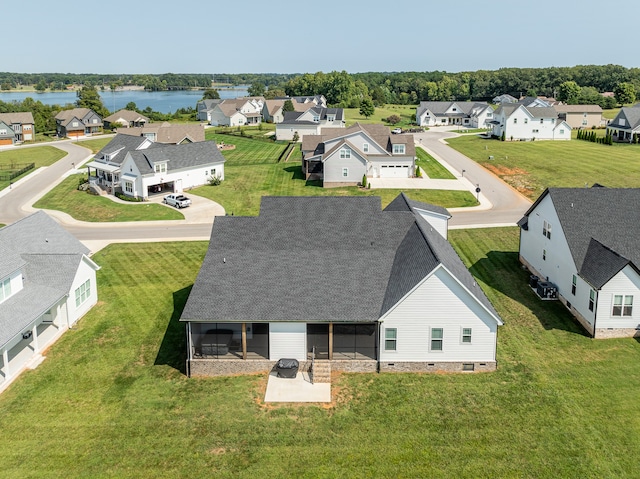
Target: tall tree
{"x": 366, "y": 107}
{"x": 288, "y": 106}
{"x": 569, "y": 92}
{"x": 256, "y": 89}
{"x": 211, "y": 94}
{"x": 88, "y": 97}
{"x": 625, "y": 93}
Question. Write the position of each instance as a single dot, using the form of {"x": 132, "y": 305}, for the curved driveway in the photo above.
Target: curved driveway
{"x": 15, "y": 203}
{"x": 508, "y": 205}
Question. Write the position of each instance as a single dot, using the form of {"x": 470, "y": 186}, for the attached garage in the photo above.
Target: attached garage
{"x": 395, "y": 171}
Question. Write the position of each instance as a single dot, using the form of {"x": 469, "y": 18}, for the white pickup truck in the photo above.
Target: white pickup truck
{"x": 179, "y": 201}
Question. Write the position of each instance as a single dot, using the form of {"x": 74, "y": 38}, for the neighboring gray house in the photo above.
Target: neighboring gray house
{"x": 126, "y": 119}
{"x": 586, "y": 241}
{"x": 309, "y": 122}
{"x": 364, "y": 288}
{"x": 168, "y": 133}
{"x": 204, "y": 109}
{"x": 625, "y": 127}
{"x": 78, "y": 122}
{"x": 47, "y": 283}
{"x": 21, "y": 125}
{"x": 340, "y": 157}
{"x": 505, "y": 98}
{"x": 464, "y": 113}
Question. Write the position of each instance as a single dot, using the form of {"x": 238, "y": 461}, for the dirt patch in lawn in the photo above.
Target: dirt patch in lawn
{"x": 515, "y": 177}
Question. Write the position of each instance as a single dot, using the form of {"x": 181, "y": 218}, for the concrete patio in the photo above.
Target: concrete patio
{"x": 298, "y": 389}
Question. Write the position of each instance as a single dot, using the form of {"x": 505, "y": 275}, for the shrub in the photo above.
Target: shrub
{"x": 214, "y": 180}
{"x": 124, "y": 197}
{"x": 393, "y": 119}
{"x": 418, "y": 172}
{"x": 503, "y": 137}
{"x": 364, "y": 181}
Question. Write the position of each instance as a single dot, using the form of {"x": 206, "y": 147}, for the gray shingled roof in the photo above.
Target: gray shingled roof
{"x": 632, "y": 117}
{"x": 21, "y": 117}
{"x": 128, "y": 115}
{"x": 292, "y": 117}
{"x": 338, "y": 259}
{"x": 439, "y": 108}
{"x": 188, "y": 155}
{"x": 602, "y": 227}
{"x": 403, "y": 203}
{"x": 49, "y": 257}
{"x": 121, "y": 143}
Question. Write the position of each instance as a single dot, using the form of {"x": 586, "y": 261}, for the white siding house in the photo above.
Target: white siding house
{"x": 518, "y": 122}
{"x": 570, "y": 237}
{"x": 47, "y": 283}
{"x": 363, "y": 289}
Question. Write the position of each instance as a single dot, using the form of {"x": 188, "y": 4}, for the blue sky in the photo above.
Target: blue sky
{"x": 286, "y": 36}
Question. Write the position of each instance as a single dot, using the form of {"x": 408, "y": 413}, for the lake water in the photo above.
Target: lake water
{"x": 161, "y": 101}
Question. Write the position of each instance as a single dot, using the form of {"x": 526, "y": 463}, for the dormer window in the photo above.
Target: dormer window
{"x": 316, "y": 118}
{"x": 331, "y": 118}
{"x": 345, "y": 153}
{"x": 398, "y": 149}
{"x": 365, "y": 147}
{"x": 160, "y": 167}
{"x": 5, "y": 289}
{"x": 107, "y": 157}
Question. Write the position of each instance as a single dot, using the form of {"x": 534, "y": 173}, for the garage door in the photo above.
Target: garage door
{"x": 394, "y": 171}
{"x": 287, "y": 340}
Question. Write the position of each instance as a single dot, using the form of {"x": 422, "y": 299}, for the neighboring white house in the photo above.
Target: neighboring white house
{"x": 309, "y": 122}
{"x": 504, "y": 98}
{"x": 465, "y": 113}
{"x": 625, "y": 127}
{"x": 519, "y": 122}
{"x": 237, "y": 112}
{"x": 125, "y": 119}
{"x": 204, "y": 109}
{"x": 162, "y": 168}
{"x": 47, "y": 283}
{"x": 340, "y": 157}
{"x": 364, "y": 289}
{"x": 585, "y": 242}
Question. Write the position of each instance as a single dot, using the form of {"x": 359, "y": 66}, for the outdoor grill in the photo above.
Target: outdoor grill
{"x": 287, "y": 368}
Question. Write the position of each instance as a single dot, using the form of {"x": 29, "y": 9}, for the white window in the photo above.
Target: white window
{"x": 345, "y": 172}
{"x": 74, "y": 124}
{"x": 574, "y": 283}
{"x": 83, "y": 293}
{"x": 5, "y": 289}
{"x": 365, "y": 147}
{"x": 535, "y": 131}
{"x": 390, "y": 339}
{"x": 95, "y": 120}
{"x": 345, "y": 153}
{"x": 622, "y": 305}
{"x": 526, "y": 120}
{"x": 544, "y": 255}
{"x": 585, "y": 122}
{"x": 466, "y": 335}
{"x": 562, "y": 132}
{"x": 316, "y": 118}
{"x": 330, "y": 118}
{"x": 489, "y": 115}
{"x": 622, "y": 122}
{"x": 398, "y": 149}
{"x": 515, "y": 121}
{"x": 128, "y": 187}
{"x": 546, "y": 229}
{"x": 541, "y": 121}
{"x": 3, "y": 131}
{"x": 592, "y": 299}
{"x": 436, "y": 339}
{"x": 160, "y": 168}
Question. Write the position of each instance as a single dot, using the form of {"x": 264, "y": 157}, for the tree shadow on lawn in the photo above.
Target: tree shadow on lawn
{"x": 502, "y": 271}
{"x": 173, "y": 349}
{"x": 296, "y": 174}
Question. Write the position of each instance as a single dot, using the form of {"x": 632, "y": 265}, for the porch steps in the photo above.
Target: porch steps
{"x": 321, "y": 371}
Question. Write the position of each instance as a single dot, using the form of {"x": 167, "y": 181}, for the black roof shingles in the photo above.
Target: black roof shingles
{"x": 340, "y": 259}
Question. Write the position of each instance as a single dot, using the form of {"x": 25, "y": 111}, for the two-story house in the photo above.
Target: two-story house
{"x": 585, "y": 242}
{"x": 237, "y": 112}
{"x": 47, "y": 283}
{"x": 16, "y": 127}
{"x": 580, "y": 116}
{"x": 518, "y": 122}
{"x": 78, "y": 122}
{"x": 625, "y": 127}
{"x": 340, "y": 157}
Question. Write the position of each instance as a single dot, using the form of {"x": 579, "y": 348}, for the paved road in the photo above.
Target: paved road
{"x": 508, "y": 205}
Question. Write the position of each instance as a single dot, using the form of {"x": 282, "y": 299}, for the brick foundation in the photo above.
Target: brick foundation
{"x": 446, "y": 367}
{"x": 604, "y": 333}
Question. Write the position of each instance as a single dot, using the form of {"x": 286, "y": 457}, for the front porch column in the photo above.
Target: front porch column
{"x": 244, "y": 340}
{"x": 34, "y": 333}
{"x": 5, "y": 360}
{"x": 330, "y": 341}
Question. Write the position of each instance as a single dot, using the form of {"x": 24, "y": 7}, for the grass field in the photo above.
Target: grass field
{"x": 431, "y": 166}
{"x": 111, "y": 400}
{"x": 530, "y": 167}
{"x": 85, "y": 207}
{"x": 41, "y": 156}
{"x": 407, "y": 113}
{"x": 95, "y": 145}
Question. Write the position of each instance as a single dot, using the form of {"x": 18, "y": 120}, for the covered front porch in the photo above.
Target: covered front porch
{"x": 623, "y": 135}
{"x": 103, "y": 174}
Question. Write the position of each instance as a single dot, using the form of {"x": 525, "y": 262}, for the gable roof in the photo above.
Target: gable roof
{"x": 578, "y": 108}
{"x": 630, "y": 114}
{"x": 65, "y": 116}
{"x": 403, "y": 203}
{"x": 120, "y": 144}
{"x": 188, "y": 155}
{"x": 601, "y": 227}
{"x": 440, "y": 108}
{"x": 48, "y": 257}
{"x": 277, "y": 267}
{"x": 168, "y": 133}
{"x": 22, "y": 117}
{"x": 293, "y": 117}
{"x": 128, "y": 115}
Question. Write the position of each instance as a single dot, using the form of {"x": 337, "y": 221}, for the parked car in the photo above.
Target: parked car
{"x": 179, "y": 201}
{"x": 395, "y": 131}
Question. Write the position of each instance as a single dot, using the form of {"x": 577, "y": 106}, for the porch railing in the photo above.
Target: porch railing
{"x": 313, "y": 363}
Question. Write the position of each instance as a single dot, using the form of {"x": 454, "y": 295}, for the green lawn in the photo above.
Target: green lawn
{"x": 41, "y": 156}
{"x": 96, "y": 144}
{"x": 85, "y": 207}
{"x": 247, "y": 151}
{"x": 530, "y": 167}
{"x": 112, "y": 400}
{"x": 431, "y": 166}
{"x": 407, "y": 113}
